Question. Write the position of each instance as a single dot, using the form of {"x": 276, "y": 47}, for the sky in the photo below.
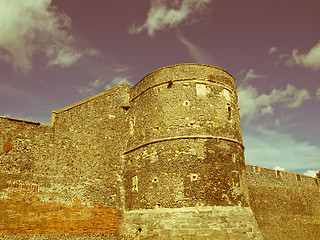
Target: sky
{"x": 54, "y": 53}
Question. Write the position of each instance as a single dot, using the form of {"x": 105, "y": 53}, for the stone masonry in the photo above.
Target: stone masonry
{"x": 163, "y": 159}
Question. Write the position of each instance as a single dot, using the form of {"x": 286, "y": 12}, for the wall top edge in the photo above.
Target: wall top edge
{"x": 184, "y": 64}
{"x": 90, "y": 98}
{"x": 24, "y": 121}
{"x": 275, "y": 170}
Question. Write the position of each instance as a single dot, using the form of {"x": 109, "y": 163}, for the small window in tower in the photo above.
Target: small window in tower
{"x": 229, "y": 111}
{"x": 236, "y": 178}
{"x": 194, "y": 177}
{"x": 186, "y": 103}
{"x": 155, "y": 180}
{"x": 234, "y": 156}
{"x": 135, "y": 183}
{"x": 131, "y": 124}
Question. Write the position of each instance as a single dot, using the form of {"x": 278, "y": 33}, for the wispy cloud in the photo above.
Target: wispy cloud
{"x": 266, "y": 148}
{"x": 246, "y": 76}
{"x": 35, "y": 26}
{"x": 308, "y": 60}
{"x": 253, "y": 105}
{"x": 318, "y": 93}
{"x": 272, "y": 50}
{"x": 197, "y": 54}
{"x": 99, "y": 85}
{"x": 117, "y": 81}
{"x": 311, "y": 173}
{"x": 279, "y": 168}
{"x": 121, "y": 69}
{"x": 166, "y": 14}
{"x": 91, "y": 89}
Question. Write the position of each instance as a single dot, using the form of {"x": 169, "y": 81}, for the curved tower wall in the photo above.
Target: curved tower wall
{"x": 185, "y": 146}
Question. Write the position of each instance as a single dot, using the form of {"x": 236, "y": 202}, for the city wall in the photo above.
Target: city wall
{"x": 286, "y": 205}
{"x": 65, "y": 178}
{"x": 109, "y": 168}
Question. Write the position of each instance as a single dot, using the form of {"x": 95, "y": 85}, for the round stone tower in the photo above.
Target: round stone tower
{"x": 185, "y": 146}
{"x": 184, "y": 171}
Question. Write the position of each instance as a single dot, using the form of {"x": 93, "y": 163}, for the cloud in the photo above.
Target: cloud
{"x": 98, "y": 85}
{"x": 318, "y": 93}
{"x": 268, "y": 148}
{"x": 166, "y": 14}
{"x": 309, "y": 60}
{"x": 311, "y": 173}
{"x": 121, "y": 69}
{"x": 35, "y": 26}
{"x": 253, "y": 105}
{"x": 117, "y": 81}
{"x": 197, "y": 54}
{"x": 279, "y": 168}
{"x": 91, "y": 89}
{"x": 246, "y": 76}
{"x": 272, "y": 50}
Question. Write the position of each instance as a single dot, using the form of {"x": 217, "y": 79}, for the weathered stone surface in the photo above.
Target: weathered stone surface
{"x": 161, "y": 160}
{"x": 221, "y": 222}
{"x": 286, "y": 205}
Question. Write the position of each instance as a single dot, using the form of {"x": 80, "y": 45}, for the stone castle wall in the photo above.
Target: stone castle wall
{"x": 286, "y": 205}
{"x": 65, "y": 178}
{"x": 161, "y": 160}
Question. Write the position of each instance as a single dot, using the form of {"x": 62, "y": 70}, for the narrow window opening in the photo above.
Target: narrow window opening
{"x": 132, "y": 123}
{"x": 186, "y": 103}
{"x": 194, "y": 177}
{"x": 170, "y": 83}
{"x": 135, "y": 183}
{"x": 234, "y": 157}
{"x": 236, "y": 178}
{"x": 229, "y": 112}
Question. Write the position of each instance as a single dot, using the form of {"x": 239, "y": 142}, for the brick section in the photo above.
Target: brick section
{"x": 192, "y": 223}
{"x": 83, "y": 236}
{"x": 22, "y": 213}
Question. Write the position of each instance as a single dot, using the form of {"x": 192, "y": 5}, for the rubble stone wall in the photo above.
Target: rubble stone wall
{"x": 286, "y": 205}
{"x": 65, "y": 178}
{"x": 161, "y": 160}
